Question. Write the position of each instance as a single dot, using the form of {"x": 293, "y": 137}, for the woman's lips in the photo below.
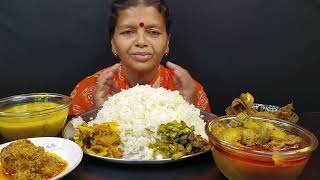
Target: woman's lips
{"x": 141, "y": 56}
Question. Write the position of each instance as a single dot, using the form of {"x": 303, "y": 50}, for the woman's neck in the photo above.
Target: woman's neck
{"x": 141, "y": 78}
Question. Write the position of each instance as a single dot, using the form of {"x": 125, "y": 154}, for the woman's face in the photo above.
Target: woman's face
{"x": 140, "y": 39}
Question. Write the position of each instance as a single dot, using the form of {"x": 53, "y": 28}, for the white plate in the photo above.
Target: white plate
{"x": 66, "y": 149}
{"x": 69, "y": 130}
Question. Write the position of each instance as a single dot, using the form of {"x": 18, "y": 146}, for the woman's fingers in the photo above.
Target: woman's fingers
{"x": 181, "y": 76}
{"x": 115, "y": 68}
{"x": 183, "y": 82}
{"x": 104, "y": 80}
{"x": 175, "y": 69}
{"x": 114, "y": 88}
{"x": 106, "y": 77}
{"x": 106, "y": 87}
{"x": 173, "y": 66}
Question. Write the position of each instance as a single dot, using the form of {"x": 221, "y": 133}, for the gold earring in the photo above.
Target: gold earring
{"x": 115, "y": 55}
{"x": 166, "y": 54}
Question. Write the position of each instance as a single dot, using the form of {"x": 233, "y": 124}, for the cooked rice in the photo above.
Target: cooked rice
{"x": 143, "y": 107}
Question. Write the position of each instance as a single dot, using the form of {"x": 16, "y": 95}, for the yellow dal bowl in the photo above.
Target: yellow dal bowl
{"x": 33, "y": 115}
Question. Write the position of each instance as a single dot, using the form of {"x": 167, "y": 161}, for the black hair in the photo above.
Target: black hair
{"x": 119, "y": 5}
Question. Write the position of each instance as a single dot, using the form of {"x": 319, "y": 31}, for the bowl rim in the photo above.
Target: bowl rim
{"x": 35, "y": 113}
{"x": 257, "y": 153}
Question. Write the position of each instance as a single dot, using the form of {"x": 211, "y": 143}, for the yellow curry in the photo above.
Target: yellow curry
{"x": 34, "y": 123}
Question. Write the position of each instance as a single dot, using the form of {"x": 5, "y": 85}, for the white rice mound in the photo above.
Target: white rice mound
{"x": 143, "y": 107}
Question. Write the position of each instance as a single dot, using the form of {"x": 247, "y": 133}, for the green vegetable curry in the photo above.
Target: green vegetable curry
{"x": 178, "y": 140}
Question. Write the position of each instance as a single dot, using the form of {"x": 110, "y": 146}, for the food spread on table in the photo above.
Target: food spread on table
{"x": 153, "y": 124}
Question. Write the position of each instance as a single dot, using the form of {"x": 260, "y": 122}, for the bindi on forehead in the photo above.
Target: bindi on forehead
{"x": 141, "y": 24}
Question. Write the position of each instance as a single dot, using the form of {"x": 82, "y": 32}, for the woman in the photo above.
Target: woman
{"x": 140, "y": 31}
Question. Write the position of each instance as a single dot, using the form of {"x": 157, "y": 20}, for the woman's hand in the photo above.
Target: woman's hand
{"x": 183, "y": 82}
{"x": 106, "y": 87}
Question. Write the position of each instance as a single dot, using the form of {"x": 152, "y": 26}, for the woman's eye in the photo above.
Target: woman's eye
{"x": 154, "y": 33}
{"x": 127, "y": 32}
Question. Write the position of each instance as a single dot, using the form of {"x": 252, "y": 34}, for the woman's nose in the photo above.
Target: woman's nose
{"x": 141, "y": 40}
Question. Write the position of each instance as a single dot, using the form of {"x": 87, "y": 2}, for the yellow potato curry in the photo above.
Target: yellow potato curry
{"x": 100, "y": 139}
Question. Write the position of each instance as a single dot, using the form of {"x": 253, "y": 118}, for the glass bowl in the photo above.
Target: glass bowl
{"x": 33, "y": 115}
{"x": 238, "y": 163}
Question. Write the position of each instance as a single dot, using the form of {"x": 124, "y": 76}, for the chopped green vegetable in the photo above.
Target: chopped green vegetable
{"x": 178, "y": 140}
